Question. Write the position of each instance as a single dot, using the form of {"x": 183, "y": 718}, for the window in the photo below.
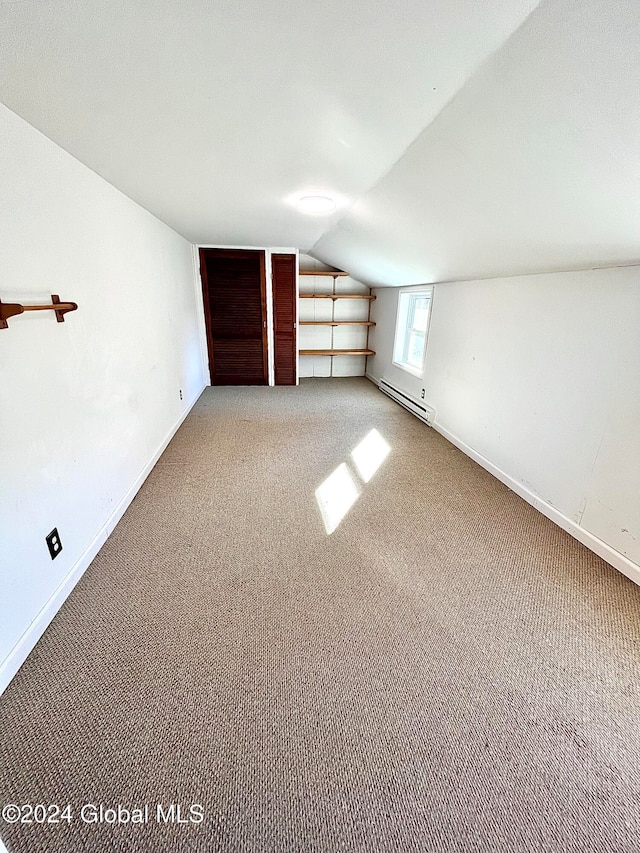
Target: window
{"x": 411, "y": 330}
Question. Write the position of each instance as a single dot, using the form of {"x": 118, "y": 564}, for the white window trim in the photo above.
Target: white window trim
{"x": 419, "y": 288}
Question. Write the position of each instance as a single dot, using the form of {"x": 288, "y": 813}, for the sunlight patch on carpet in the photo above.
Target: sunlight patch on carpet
{"x": 336, "y": 496}
{"x": 369, "y": 455}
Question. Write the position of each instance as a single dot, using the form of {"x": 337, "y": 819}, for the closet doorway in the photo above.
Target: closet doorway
{"x": 285, "y": 301}
{"x": 234, "y": 292}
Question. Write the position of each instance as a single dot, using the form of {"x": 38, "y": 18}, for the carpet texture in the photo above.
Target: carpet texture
{"x": 447, "y": 671}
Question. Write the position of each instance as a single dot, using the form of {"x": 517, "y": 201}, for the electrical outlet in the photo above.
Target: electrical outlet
{"x": 422, "y": 394}
{"x": 54, "y": 544}
{"x": 181, "y": 393}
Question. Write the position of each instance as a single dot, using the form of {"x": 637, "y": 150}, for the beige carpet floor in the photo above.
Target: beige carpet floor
{"x": 447, "y": 671}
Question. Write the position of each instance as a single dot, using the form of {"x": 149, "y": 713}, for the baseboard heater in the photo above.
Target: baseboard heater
{"x": 416, "y": 407}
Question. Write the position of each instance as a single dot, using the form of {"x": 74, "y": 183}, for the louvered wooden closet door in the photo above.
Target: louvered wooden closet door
{"x": 235, "y": 311}
{"x": 283, "y": 278}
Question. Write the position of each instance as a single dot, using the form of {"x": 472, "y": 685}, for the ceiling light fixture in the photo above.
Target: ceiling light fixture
{"x": 316, "y": 204}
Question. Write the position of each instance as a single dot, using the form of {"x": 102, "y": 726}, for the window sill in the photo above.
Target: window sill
{"x": 408, "y": 369}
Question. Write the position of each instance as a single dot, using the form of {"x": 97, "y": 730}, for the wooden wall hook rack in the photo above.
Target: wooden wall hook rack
{"x": 12, "y": 309}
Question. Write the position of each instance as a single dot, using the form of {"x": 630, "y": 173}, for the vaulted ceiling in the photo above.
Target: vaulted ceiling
{"x": 459, "y": 139}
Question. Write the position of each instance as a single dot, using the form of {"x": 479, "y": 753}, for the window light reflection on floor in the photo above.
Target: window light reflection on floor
{"x": 339, "y": 491}
{"x": 369, "y": 455}
{"x": 336, "y": 496}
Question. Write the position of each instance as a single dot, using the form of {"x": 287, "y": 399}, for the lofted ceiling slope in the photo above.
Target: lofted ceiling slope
{"x": 459, "y": 139}
{"x": 534, "y": 166}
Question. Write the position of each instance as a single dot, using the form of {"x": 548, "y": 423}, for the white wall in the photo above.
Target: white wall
{"x": 539, "y": 376}
{"x": 85, "y": 406}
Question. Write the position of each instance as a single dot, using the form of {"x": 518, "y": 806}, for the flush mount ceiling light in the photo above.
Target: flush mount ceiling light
{"x": 316, "y": 204}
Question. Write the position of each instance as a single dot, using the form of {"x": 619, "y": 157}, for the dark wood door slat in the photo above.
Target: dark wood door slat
{"x": 234, "y": 292}
{"x": 283, "y": 283}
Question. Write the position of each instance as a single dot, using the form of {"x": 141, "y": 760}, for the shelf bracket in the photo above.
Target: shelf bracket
{"x": 12, "y": 309}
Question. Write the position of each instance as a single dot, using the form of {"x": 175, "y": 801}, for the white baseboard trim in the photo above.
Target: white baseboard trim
{"x": 3, "y": 849}
{"x": 593, "y": 543}
{"x": 610, "y": 555}
{"x": 17, "y": 656}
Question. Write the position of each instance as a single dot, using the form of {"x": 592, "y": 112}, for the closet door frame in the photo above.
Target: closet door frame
{"x": 231, "y": 252}
{"x": 293, "y": 332}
